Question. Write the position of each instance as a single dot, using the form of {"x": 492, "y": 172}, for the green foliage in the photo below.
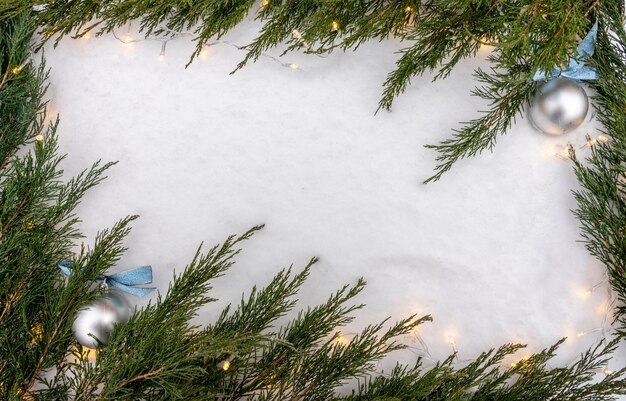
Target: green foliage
{"x": 602, "y": 199}
{"x": 483, "y": 379}
{"x": 159, "y": 354}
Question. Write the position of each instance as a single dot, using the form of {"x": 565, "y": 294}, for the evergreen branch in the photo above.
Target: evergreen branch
{"x": 507, "y": 95}
{"x": 602, "y": 199}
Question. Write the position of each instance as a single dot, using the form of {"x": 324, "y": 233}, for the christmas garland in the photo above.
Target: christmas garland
{"x": 157, "y": 354}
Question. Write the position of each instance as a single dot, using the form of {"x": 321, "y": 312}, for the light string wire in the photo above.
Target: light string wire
{"x": 172, "y": 35}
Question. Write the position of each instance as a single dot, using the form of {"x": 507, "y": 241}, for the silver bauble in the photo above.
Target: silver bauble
{"x": 559, "y": 106}
{"x": 98, "y": 319}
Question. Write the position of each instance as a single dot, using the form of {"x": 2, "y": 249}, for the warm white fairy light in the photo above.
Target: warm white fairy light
{"x": 590, "y": 142}
{"x": 162, "y": 53}
{"x": 565, "y": 153}
{"x": 452, "y": 341}
{"x": 225, "y": 364}
{"x": 39, "y": 138}
{"x": 296, "y": 34}
{"x": 341, "y": 340}
{"x": 87, "y": 354}
{"x": 18, "y": 68}
{"x": 597, "y": 285}
{"x": 584, "y": 333}
{"x": 334, "y": 25}
{"x": 603, "y": 138}
{"x": 523, "y": 360}
{"x": 264, "y": 3}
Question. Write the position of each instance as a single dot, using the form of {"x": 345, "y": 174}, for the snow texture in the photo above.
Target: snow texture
{"x": 492, "y": 250}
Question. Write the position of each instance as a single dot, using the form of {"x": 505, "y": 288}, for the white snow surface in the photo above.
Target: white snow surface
{"x": 492, "y": 251}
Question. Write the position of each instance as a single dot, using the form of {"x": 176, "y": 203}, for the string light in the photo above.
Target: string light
{"x": 127, "y": 36}
{"x": 566, "y": 153}
{"x": 264, "y": 4}
{"x": 584, "y": 333}
{"x": 37, "y": 331}
{"x": 342, "y": 340}
{"x": 603, "y": 138}
{"x": 18, "y": 68}
{"x": 452, "y": 341}
{"x": 225, "y": 364}
{"x": 88, "y": 354}
{"x": 590, "y": 142}
{"x": 607, "y": 371}
{"x": 24, "y": 395}
{"x": 296, "y": 34}
{"x": 162, "y": 54}
{"x": 597, "y": 285}
{"x": 523, "y": 360}
{"x": 334, "y": 25}
{"x": 204, "y": 53}
{"x": 39, "y": 138}
{"x": 408, "y": 9}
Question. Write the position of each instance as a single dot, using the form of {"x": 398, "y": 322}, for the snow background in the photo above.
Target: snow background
{"x": 491, "y": 251}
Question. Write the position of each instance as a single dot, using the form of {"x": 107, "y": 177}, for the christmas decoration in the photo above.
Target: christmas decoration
{"x": 126, "y": 281}
{"x": 94, "y": 324}
{"x": 576, "y": 69}
{"x": 560, "y": 106}
{"x": 160, "y": 354}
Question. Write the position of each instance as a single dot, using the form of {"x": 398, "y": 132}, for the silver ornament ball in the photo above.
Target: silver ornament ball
{"x": 97, "y": 320}
{"x": 559, "y": 106}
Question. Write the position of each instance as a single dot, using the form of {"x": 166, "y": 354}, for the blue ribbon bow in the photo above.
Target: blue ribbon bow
{"x": 576, "y": 69}
{"x": 124, "y": 281}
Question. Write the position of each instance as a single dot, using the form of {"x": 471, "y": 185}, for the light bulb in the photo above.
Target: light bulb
{"x": 603, "y": 138}
{"x": 293, "y": 66}
{"x": 226, "y": 365}
{"x": 264, "y": 4}
{"x": 408, "y": 9}
{"x": 87, "y": 353}
{"x": 334, "y": 25}
{"x": 39, "y": 138}
{"x": 342, "y": 340}
{"x": 37, "y": 331}
{"x": 162, "y": 54}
